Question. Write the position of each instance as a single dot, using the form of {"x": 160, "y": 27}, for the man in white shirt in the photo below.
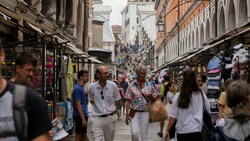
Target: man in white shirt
{"x": 104, "y": 96}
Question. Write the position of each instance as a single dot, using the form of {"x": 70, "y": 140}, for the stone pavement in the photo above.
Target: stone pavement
{"x": 122, "y": 131}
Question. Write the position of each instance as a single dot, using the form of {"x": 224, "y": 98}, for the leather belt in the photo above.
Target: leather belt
{"x": 140, "y": 111}
{"x": 106, "y": 115}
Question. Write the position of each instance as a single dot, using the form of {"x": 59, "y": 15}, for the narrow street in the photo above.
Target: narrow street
{"x": 122, "y": 131}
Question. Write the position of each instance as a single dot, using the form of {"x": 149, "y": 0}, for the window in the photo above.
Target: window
{"x": 127, "y": 22}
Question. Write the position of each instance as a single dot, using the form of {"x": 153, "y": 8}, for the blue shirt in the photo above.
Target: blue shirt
{"x": 124, "y": 85}
{"x": 214, "y": 63}
{"x": 79, "y": 94}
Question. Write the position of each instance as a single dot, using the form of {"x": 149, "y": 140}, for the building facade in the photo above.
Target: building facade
{"x": 102, "y": 13}
{"x": 138, "y": 15}
{"x": 194, "y": 27}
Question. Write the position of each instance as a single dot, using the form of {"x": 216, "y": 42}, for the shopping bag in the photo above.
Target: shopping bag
{"x": 157, "y": 111}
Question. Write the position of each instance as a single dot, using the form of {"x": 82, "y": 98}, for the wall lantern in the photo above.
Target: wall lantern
{"x": 161, "y": 26}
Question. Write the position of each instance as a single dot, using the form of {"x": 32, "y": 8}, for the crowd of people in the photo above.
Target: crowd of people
{"x": 128, "y": 58}
{"x": 111, "y": 99}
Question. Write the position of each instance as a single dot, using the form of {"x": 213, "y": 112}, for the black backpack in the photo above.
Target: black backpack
{"x": 19, "y": 115}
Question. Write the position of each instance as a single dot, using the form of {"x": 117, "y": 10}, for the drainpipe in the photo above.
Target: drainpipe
{"x": 164, "y": 33}
{"x": 178, "y": 24}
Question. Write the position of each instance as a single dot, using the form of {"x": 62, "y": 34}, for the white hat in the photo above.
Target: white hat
{"x": 238, "y": 46}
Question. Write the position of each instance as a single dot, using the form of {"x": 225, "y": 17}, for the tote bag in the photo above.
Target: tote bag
{"x": 157, "y": 111}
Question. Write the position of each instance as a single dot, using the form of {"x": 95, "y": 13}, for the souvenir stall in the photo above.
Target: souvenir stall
{"x": 233, "y": 63}
{"x": 240, "y": 63}
{"x": 45, "y": 77}
{"x": 214, "y": 69}
{"x": 64, "y": 88}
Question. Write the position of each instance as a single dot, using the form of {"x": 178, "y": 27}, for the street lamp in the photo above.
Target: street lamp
{"x": 161, "y": 26}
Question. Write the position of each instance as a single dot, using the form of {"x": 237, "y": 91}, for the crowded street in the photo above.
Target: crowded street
{"x": 124, "y": 70}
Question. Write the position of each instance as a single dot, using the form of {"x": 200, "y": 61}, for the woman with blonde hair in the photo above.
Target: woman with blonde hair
{"x": 138, "y": 94}
{"x": 237, "y": 123}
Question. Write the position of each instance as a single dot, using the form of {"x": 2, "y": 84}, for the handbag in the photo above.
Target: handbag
{"x": 156, "y": 109}
{"x": 131, "y": 112}
{"x": 207, "y": 123}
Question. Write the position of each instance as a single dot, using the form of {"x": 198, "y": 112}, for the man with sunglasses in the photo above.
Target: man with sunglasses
{"x": 80, "y": 106}
{"x": 104, "y": 96}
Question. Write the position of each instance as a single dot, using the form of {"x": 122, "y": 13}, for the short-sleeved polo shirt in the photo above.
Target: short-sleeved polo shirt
{"x": 110, "y": 96}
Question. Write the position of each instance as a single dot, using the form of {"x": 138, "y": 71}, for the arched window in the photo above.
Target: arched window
{"x": 213, "y": 26}
{"x": 201, "y": 35}
{"x": 243, "y": 11}
{"x": 197, "y": 43}
{"x": 193, "y": 41}
{"x": 186, "y": 45}
{"x": 222, "y": 22}
{"x": 231, "y": 15}
{"x": 207, "y": 30}
{"x": 190, "y": 42}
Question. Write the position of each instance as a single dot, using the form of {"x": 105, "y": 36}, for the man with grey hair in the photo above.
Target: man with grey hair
{"x": 104, "y": 96}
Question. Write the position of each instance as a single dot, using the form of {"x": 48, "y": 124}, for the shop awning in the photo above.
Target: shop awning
{"x": 60, "y": 40}
{"x": 5, "y": 16}
{"x": 83, "y": 54}
{"x": 94, "y": 60}
{"x": 175, "y": 60}
{"x": 77, "y": 51}
{"x": 35, "y": 28}
{"x": 92, "y": 48}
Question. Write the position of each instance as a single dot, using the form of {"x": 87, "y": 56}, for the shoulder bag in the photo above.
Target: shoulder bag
{"x": 156, "y": 109}
{"x": 207, "y": 122}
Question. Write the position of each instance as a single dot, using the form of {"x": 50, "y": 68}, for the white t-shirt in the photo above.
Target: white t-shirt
{"x": 189, "y": 120}
{"x": 170, "y": 97}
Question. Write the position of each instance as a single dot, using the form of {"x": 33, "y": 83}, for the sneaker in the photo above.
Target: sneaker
{"x": 172, "y": 139}
{"x": 160, "y": 134}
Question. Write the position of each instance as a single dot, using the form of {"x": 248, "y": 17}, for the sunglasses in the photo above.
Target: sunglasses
{"x": 102, "y": 95}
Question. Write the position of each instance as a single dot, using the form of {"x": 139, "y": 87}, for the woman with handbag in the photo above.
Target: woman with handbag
{"x": 187, "y": 110}
{"x": 138, "y": 94}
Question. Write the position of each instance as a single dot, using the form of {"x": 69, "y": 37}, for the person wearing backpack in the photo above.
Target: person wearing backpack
{"x": 25, "y": 66}
{"x": 21, "y": 120}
